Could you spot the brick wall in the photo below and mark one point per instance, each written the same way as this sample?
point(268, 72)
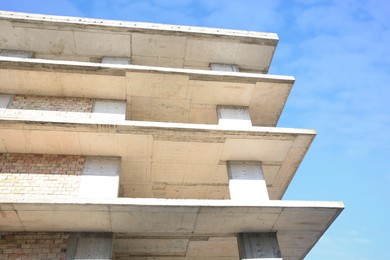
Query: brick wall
point(33, 245)
point(40, 174)
point(49, 106)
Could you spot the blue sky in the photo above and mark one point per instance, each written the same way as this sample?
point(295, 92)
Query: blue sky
point(339, 52)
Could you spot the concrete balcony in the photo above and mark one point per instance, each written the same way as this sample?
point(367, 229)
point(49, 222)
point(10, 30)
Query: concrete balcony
point(177, 229)
point(83, 39)
point(166, 160)
point(151, 93)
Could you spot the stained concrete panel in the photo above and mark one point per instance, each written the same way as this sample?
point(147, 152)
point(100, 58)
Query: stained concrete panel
point(163, 221)
point(235, 220)
point(35, 220)
point(151, 246)
point(157, 85)
point(221, 93)
point(267, 102)
point(314, 220)
point(159, 109)
point(9, 221)
point(85, 85)
point(158, 45)
point(57, 42)
point(210, 51)
point(254, 57)
point(213, 247)
point(257, 150)
point(102, 44)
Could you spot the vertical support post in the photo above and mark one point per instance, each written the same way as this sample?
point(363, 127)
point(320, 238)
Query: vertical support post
point(246, 181)
point(4, 102)
point(233, 116)
point(90, 246)
point(109, 110)
point(258, 246)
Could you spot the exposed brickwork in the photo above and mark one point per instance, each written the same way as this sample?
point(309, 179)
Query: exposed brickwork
point(33, 245)
point(52, 103)
point(40, 174)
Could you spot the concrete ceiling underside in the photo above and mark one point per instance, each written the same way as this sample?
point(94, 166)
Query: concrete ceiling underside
point(164, 225)
point(177, 155)
point(151, 93)
point(82, 39)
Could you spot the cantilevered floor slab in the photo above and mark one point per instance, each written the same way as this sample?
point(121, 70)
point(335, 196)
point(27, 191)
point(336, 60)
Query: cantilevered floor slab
point(172, 224)
point(152, 93)
point(73, 38)
point(165, 159)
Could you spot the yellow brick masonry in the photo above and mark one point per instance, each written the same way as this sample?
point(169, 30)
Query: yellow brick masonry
point(51, 106)
point(33, 245)
point(40, 174)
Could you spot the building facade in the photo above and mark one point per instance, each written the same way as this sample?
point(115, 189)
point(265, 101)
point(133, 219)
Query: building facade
point(123, 140)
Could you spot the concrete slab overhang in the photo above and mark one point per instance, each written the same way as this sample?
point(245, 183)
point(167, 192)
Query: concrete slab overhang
point(152, 93)
point(170, 153)
point(298, 224)
point(75, 38)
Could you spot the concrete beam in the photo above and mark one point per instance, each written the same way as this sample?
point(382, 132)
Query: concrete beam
point(258, 246)
point(90, 246)
point(234, 116)
point(246, 181)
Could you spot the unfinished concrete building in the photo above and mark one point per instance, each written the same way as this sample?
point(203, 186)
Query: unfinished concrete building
point(124, 140)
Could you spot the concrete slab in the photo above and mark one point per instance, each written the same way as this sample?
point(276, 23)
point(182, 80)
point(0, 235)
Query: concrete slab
point(174, 154)
point(77, 38)
point(178, 222)
point(152, 94)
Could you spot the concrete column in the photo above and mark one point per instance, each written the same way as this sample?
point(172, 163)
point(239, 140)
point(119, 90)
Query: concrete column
point(4, 102)
point(109, 110)
point(89, 246)
point(116, 60)
point(258, 246)
point(246, 181)
point(100, 178)
point(17, 54)
point(233, 116)
point(224, 67)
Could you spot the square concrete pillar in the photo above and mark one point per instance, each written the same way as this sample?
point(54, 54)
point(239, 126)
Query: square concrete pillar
point(234, 116)
point(116, 60)
point(4, 102)
point(17, 54)
point(224, 67)
point(246, 181)
point(109, 110)
point(258, 246)
point(90, 246)
point(100, 178)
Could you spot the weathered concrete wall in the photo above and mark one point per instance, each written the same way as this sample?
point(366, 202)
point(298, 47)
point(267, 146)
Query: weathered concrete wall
point(33, 245)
